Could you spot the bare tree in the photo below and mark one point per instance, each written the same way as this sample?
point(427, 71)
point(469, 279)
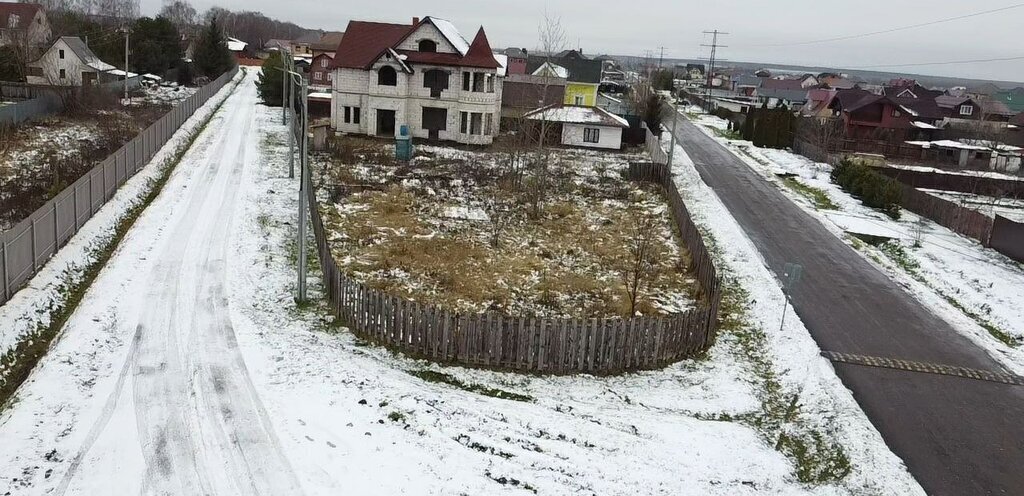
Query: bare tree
point(552, 40)
point(638, 265)
point(182, 14)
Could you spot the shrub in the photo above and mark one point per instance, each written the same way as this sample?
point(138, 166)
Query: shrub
point(873, 189)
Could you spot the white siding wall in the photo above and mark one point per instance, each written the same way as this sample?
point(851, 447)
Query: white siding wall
point(429, 32)
point(610, 137)
point(51, 64)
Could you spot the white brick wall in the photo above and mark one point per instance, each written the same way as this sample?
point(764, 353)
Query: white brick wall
point(610, 137)
point(358, 88)
point(429, 32)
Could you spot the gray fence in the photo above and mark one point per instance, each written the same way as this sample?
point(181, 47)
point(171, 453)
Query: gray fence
point(45, 100)
point(28, 245)
point(1008, 237)
point(527, 343)
point(653, 145)
point(18, 112)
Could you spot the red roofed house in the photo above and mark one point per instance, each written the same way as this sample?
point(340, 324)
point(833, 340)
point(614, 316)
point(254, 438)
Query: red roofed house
point(23, 23)
point(424, 75)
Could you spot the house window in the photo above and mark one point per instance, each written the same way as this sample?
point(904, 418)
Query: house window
point(387, 76)
point(464, 122)
point(428, 46)
point(61, 54)
point(466, 76)
point(578, 100)
point(323, 62)
point(966, 110)
point(490, 83)
point(351, 115)
point(436, 80)
point(476, 123)
point(330, 76)
point(478, 82)
point(591, 135)
point(12, 21)
point(487, 124)
point(62, 74)
point(896, 112)
point(318, 76)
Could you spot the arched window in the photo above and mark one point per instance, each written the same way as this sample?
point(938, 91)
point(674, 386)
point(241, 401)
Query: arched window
point(387, 76)
point(428, 46)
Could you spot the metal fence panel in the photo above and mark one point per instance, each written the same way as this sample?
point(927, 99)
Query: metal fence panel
point(19, 253)
point(44, 241)
point(64, 212)
point(32, 241)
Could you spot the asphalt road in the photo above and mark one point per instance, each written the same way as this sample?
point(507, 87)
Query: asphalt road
point(958, 436)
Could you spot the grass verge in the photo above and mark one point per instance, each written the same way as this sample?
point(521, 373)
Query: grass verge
point(897, 254)
point(19, 361)
point(818, 459)
point(817, 196)
point(442, 378)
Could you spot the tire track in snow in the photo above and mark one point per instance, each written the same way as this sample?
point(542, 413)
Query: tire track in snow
point(201, 426)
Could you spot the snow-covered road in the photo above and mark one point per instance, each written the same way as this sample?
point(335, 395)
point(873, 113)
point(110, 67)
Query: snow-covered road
point(179, 414)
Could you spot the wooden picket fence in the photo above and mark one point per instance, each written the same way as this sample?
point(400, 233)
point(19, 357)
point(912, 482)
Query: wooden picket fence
point(529, 343)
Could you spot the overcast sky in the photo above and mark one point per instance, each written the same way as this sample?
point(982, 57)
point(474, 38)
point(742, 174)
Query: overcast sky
point(632, 28)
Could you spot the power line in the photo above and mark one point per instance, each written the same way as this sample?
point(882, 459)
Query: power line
point(897, 29)
point(952, 62)
point(711, 65)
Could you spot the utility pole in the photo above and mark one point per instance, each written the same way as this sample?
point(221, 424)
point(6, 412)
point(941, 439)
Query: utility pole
point(126, 65)
point(672, 142)
point(303, 178)
point(284, 86)
point(712, 58)
point(661, 58)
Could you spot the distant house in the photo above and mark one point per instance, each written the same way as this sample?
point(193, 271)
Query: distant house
point(522, 93)
point(819, 103)
point(68, 62)
point(276, 45)
point(422, 75)
point(327, 44)
point(238, 48)
point(23, 23)
point(320, 75)
point(694, 71)
point(869, 116)
point(587, 127)
point(583, 75)
point(516, 60)
point(961, 107)
point(303, 45)
point(835, 81)
point(1013, 99)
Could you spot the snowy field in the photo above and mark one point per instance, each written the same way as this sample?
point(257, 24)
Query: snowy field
point(976, 289)
point(191, 339)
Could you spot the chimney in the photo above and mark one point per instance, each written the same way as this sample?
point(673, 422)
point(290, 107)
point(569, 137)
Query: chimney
point(415, 21)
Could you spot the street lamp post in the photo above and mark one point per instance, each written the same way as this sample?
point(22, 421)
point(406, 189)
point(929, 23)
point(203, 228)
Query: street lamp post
point(300, 125)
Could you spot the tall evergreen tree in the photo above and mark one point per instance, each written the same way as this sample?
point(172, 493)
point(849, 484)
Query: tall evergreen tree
point(156, 45)
point(270, 80)
point(212, 57)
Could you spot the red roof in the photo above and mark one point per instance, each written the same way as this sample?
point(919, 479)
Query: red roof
point(480, 53)
point(26, 11)
point(365, 42)
point(782, 84)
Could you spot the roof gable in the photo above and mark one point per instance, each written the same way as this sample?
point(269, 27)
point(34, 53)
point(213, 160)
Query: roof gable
point(25, 12)
point(364, 43)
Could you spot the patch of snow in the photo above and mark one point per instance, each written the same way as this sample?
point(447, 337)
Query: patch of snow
point(463, 212)
point(452, 34)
